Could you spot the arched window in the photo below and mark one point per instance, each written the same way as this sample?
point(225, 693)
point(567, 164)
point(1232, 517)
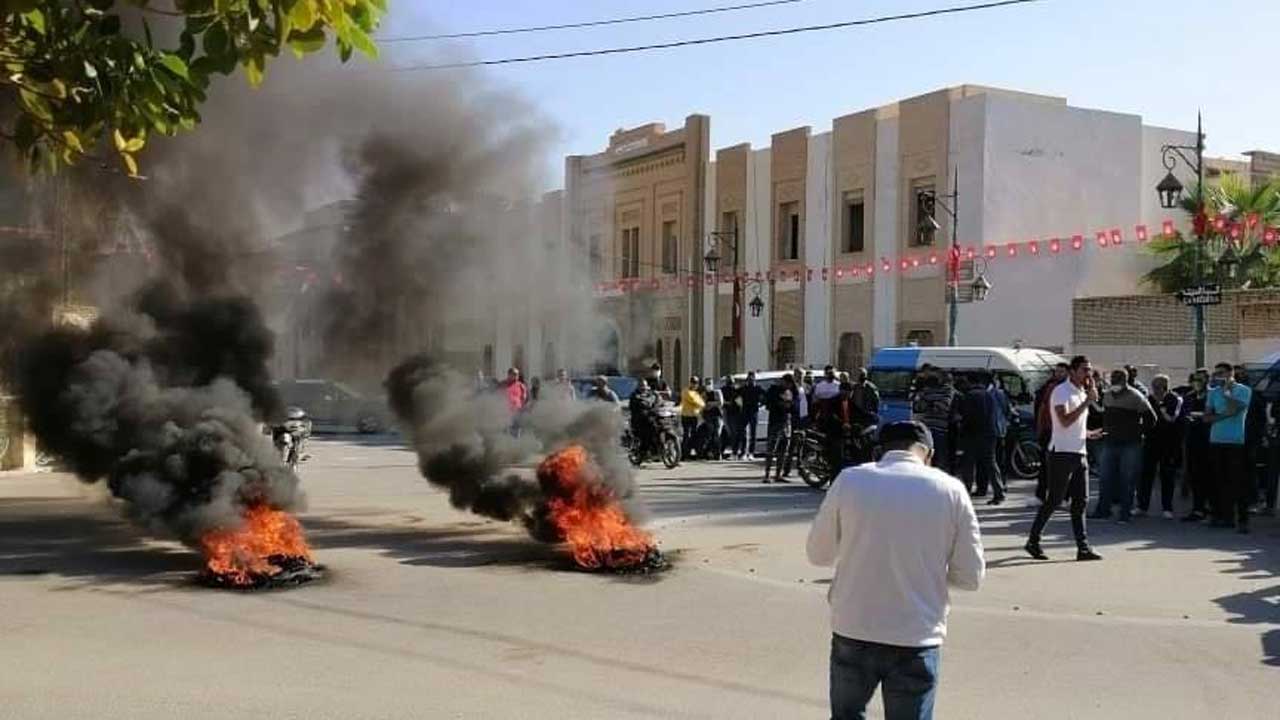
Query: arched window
point(849, 352)
point(728, 356)
point(517, 359)
point(549, 359)
point(677, 364)
point(786, 352)
point(923, 338)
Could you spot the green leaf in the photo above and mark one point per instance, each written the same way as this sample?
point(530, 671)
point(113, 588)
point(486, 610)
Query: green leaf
point(90, 71)
point(175, 65)
point(303, 14)
point(306, 42)
point(35, 18)
point(363, 42)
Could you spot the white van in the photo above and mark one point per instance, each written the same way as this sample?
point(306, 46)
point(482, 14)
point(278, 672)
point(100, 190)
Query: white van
point(1021, 370)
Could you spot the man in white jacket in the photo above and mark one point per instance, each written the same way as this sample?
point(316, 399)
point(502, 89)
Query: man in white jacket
point(898, 532)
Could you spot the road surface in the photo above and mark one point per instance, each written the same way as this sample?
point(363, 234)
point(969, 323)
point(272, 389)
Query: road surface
point(431, 613)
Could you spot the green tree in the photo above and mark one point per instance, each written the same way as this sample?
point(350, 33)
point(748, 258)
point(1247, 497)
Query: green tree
point(1232, 206)
point(76, 72)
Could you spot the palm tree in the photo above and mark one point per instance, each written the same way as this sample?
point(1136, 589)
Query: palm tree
point(1231, 206)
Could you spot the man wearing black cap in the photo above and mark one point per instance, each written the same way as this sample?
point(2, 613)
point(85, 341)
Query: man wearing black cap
point(898, 532)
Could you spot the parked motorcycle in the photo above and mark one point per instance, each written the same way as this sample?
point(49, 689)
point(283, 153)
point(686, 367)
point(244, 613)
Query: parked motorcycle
point(664, 445)
point(290, 436)
point(1022, 452)
point(813, 462)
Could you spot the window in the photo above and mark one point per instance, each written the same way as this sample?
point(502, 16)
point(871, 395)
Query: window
point(670, 247)
point(595, 257)
point(630, 252)
point(728, 356)
point(517, 359)
point(849, 352)
point(855, 229)
point(729, 236)
point(789, 231)
point(786, 354)
point(922, 338)
point(677, 362)
point(920, 208)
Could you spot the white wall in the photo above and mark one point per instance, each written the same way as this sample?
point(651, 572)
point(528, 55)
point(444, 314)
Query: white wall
point(885, 234)
point(1052, 170)
point(757, 223)
point(710, 349)
point(819, 184)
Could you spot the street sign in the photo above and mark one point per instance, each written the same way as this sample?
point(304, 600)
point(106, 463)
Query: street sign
point(1201, 295)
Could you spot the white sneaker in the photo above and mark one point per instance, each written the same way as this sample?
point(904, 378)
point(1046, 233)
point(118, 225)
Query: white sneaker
point(1167, 515)
point(751, 458)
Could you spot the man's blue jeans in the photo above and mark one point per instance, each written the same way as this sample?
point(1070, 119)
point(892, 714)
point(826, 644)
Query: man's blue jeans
point(907, 677)
point(1121, 466)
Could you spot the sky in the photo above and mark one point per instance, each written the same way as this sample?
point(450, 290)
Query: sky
point(1161, 59)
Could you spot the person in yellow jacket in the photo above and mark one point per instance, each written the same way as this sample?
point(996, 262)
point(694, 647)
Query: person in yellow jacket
point(691, 404)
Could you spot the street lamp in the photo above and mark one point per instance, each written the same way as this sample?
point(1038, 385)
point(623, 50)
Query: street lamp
point(712, 259)
point(1229, 262)
point(1170, 192)
point(980, 287)
point(712, 262)
point(927, 202)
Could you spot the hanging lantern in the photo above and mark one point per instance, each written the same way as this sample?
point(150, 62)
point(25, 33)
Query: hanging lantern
point(756, 305)
point(1170, 191)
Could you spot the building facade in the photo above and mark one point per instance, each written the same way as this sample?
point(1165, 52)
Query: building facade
point(824, 228)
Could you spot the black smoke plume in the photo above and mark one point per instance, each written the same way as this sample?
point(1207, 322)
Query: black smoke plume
point(463, 439)
point(164, 406)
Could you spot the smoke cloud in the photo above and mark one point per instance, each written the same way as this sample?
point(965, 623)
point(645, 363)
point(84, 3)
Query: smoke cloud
point(463, 439)
point(163, 404)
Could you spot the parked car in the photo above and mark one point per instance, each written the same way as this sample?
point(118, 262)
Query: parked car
point(335, 407)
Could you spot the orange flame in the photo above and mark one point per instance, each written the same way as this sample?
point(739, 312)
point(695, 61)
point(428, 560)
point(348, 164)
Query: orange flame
point(243, 555)
point(588, 516)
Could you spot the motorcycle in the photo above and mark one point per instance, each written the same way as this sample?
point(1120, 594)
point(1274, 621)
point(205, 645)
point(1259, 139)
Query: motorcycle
point(665, 443)
point(814, 464)
point(1023, 455)
point(290, 435)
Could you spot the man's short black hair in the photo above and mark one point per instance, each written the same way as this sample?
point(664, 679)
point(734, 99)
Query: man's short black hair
point(1223, 366)
point(1064, 366)
point(905, 434)
point(1077, 362)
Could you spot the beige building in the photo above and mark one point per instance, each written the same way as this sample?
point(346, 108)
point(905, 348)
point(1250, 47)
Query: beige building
point(636, 212)
point(824, 228)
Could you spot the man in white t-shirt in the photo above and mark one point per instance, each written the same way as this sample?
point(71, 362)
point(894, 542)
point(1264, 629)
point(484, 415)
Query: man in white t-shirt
point(1068, 459)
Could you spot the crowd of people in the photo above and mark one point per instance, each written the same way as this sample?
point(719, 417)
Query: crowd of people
point(1215, 434)
point(1213, 441)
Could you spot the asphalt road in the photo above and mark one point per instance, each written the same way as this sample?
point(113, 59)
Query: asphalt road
point(430, 613)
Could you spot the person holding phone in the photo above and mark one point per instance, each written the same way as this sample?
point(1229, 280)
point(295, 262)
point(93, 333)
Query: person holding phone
point(1068, 459)
point(1226, 411)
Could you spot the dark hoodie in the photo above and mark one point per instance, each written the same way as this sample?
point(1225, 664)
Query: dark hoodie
point(1127, 414)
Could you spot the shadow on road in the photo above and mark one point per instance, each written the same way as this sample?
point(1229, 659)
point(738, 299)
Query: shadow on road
point(82, 540)
point(462, 545)
point(720, 496)
point(1251, 557)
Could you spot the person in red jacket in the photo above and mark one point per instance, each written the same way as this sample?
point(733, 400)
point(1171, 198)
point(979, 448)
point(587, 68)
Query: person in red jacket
point(517, 395)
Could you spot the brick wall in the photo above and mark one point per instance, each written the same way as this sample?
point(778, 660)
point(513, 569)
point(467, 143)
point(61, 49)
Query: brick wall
point(1163, 320)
